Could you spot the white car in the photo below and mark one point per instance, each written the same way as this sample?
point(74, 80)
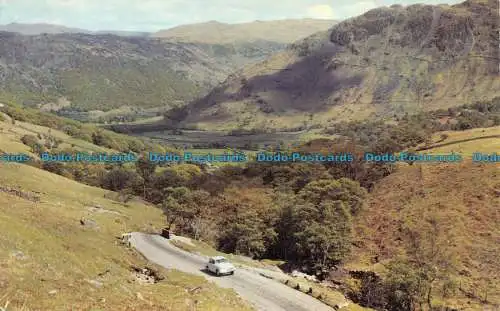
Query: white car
point(219, 265)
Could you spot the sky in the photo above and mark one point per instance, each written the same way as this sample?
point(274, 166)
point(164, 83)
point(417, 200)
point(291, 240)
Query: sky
point(153, 15)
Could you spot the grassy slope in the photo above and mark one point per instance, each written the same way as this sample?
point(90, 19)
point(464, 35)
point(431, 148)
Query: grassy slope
point(11, 134)
point(466, 198)
point(62, 255)
point(468, 142)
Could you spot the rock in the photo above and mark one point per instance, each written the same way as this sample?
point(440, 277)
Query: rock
point(308, 277)
point(19, 255)
point(53, 292)
point(95, 283)
point(341, 305)
point(139, 296)
point(89, 223)
point(125, 239)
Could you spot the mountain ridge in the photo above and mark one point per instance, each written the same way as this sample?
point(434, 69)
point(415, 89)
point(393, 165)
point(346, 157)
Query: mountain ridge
point(282, 31)
point(105, 71)
point(390, 60)
point(305, 26)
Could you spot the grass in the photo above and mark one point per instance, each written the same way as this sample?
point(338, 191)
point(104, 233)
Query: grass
point(467, 142)
point(465, 198)
point(23, 128)
point(49, 261)
point(322, 293)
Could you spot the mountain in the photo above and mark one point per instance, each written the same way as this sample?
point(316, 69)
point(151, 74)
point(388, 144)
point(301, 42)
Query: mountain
point(213, 32)
point(390, 60)
point(282, 31)
point(37, 29)
point(123, 33)
point(108, 71)
point(104, 71)
point(78, 71)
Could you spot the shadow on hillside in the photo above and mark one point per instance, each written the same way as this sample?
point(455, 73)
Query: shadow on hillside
point(301, 86)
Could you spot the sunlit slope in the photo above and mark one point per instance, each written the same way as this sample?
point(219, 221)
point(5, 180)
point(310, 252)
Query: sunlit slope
point(484, 140)
point(465, 200)
point(284, 31)
point(49, 260)
point(11, 134)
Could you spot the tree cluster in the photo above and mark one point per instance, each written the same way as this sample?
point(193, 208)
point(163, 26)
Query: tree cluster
point(411, 130)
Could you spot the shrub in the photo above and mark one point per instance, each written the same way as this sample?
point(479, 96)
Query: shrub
point(29, 140)
point(54, 167)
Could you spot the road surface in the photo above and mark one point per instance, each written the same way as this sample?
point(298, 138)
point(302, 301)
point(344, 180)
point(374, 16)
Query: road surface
point(263, 293)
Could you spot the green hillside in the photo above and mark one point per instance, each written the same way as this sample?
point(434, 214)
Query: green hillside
point(59, 248)
point(84, 72)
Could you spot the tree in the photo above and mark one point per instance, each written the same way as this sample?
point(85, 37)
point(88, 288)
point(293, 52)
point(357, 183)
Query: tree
point(146, 170)
point(401, 286)
point(168, 178)
point(249, 234)
point(198, 201)
point(324, 233)
point(186, 209)
point(284, 246)
point(343, 189)
point(32, 142)
point(321, 221)
point(53, 167)
point(248, 222)
point(174, 206)
point(118, 179)
point(98, 138)
point(430, 260)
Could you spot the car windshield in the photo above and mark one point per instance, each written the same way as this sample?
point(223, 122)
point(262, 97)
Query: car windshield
point(221, 260)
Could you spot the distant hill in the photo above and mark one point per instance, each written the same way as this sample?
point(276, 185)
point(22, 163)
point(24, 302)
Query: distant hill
point(107, 71)
point(213, 32)
point(36, 29)
point(41, 28)
point(44, 65)
point(123, 33)
point(282, 31)
point(104, 71)
point(390, 60)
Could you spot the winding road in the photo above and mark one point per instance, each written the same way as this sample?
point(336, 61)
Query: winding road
point(263, 293)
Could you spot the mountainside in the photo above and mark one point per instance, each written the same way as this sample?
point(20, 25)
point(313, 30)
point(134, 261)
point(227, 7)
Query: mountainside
point(390, 60)
point(103, 72)
point(79, 71)
point(282, 31)
point(453, 205)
